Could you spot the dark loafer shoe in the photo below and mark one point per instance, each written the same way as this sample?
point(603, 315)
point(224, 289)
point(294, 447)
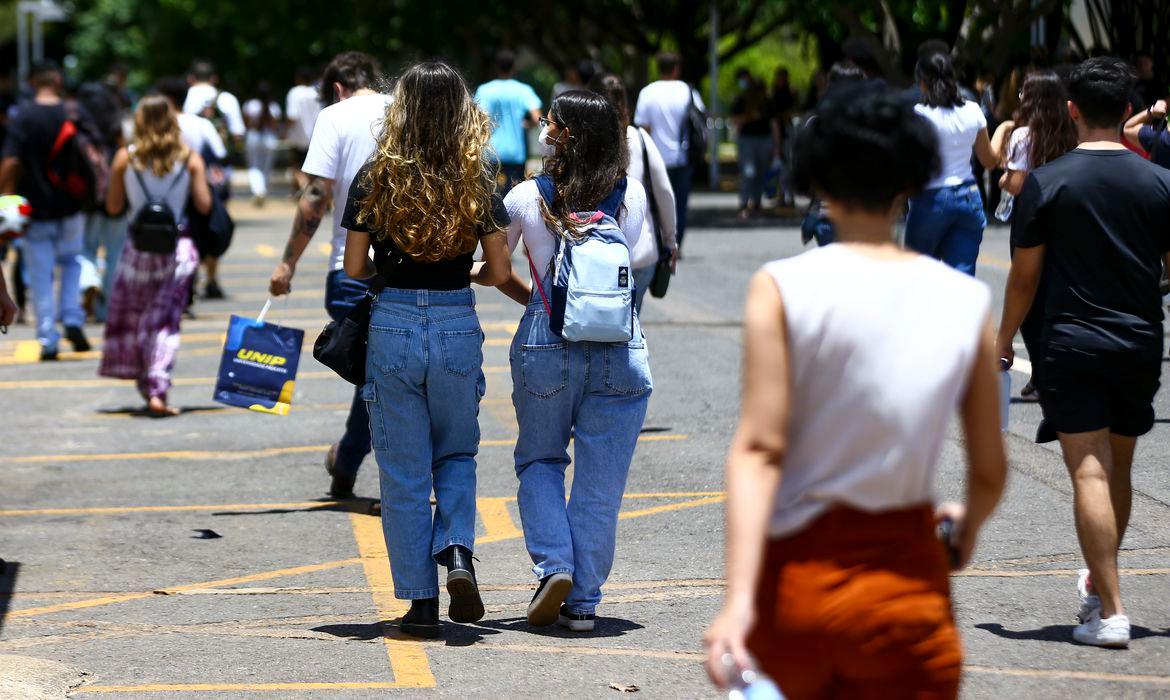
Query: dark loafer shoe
point(422, 620)
point(466, 605)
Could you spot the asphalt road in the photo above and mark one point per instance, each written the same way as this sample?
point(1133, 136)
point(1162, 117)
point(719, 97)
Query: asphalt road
point(99, 509)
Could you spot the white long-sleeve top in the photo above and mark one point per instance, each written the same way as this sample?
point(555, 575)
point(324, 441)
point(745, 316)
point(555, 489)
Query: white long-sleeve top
point(657, 184)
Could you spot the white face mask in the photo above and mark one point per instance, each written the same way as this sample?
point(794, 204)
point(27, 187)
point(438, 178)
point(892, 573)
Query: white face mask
point(547, 148)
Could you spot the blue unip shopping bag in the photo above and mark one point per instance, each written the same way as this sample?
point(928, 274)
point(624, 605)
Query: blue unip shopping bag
point(258, 369)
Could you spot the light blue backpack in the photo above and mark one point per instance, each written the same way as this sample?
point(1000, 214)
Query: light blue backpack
point(592, 279)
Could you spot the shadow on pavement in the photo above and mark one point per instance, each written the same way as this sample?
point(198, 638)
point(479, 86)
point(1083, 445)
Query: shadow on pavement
point(8, 572)
point(141, 412)
point(1059, 633)
point(351, 505)
point(455, 635)
point(606, 627)
point(704, 217)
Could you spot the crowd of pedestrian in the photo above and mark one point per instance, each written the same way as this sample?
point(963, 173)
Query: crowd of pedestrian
point(858, 354)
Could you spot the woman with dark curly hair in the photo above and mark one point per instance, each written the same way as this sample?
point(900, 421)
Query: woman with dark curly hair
point(424, 201)
point(856, 358)
point(595, 393)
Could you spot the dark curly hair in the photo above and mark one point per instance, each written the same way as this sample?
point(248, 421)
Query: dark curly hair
point(1100, 88)
point(865, 150)
point(589, 163)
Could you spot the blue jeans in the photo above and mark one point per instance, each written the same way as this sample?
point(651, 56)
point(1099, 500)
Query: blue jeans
point(947, 224)
point(108, 234)
point(424, 381)
point(643, 276)
point(342, 293)
point(596, 394)
point(51, 244)
point(755, 157)
point(680, 181)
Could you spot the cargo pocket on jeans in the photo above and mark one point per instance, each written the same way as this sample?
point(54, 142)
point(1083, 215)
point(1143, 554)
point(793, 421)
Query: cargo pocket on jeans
point(544, 369)
point(388, 348)
point(627, 368)
point(462, 351)
point(377, 434)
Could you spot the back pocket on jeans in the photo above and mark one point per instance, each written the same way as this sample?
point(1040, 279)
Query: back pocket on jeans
point(544, 369)
point(627, 368)
point(462, 351)
point(388, 348)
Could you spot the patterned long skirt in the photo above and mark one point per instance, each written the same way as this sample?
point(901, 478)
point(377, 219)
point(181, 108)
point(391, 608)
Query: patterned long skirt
point(150, 293)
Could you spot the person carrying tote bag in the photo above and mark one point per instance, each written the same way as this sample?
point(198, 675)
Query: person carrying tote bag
point(655, 255)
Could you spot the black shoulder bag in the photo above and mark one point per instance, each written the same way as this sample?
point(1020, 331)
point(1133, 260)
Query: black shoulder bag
point(342, 345)
point(661, 280)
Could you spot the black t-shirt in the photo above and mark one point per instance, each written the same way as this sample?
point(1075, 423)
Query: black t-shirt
point(30, 138)
point(446, 275)
point(1105, 219)
point(758, 116)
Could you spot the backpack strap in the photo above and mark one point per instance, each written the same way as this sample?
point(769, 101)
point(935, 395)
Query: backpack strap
point(544, 183)
point(613, 202)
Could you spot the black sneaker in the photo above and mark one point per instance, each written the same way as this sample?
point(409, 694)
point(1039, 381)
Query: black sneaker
point(342, 484)
point(422, 620)
point(577, 622)
point(466, 605)
point(213, 291)
point(77, 339)
point(546, 603)
point(48, 355)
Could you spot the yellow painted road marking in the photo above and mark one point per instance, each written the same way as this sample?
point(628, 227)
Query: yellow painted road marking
point(1067, 675)
point(111, 510)
point(497, 520)
point(265, 251)
point(231, 687)
point(237, 454)
point(77, 384)
point(107, 600)
point(671, 506)
point(324, 249)
point(408, 660)
point(297, 408)
point(991, 261)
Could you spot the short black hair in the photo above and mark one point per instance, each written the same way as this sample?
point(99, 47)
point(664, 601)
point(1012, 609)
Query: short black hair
point(845, 72)
point(862, 52)
point(668, 61)
point(305, 75)
point(203, 70)
point(174, 88)
point(45, 73)
point(1100, 88)
point(586, 70)
point(865, 149)
point(931, 47)
point(354, 70)
point(505, 61)
point(940, 87)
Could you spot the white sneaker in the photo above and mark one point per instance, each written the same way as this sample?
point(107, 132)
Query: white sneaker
point(1089, 601)
point(1111, 632)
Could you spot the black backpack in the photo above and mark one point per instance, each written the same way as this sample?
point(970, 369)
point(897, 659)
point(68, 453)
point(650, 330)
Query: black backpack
point(153, 228)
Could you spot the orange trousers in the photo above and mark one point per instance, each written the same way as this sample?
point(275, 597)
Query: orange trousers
point(857, 605)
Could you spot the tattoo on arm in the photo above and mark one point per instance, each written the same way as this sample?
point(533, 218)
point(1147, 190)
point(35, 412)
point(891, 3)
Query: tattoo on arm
point(315, 199)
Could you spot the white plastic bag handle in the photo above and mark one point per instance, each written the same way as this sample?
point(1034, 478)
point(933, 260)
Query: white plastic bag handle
point(264, 311)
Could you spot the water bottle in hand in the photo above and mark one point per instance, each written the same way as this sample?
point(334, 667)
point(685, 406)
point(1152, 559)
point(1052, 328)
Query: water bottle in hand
point(1004, 211)
point(749, 684)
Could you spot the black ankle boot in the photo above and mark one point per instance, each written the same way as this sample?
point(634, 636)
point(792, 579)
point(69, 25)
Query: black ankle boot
point(466, 605)
point(422, 620)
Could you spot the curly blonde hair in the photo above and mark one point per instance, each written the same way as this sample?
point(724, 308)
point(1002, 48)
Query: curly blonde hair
point(158, 142)
point(429, 183)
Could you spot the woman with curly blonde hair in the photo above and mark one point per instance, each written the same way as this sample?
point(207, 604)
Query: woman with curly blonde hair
point(151, 289)
point(423, 202)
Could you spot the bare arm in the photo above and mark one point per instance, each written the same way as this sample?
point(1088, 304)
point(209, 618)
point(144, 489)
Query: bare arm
point(1133, 127)
point(357, 256)
point(1013, 181)
point(9, 174)
point(8, 309)
point(116, 192)
point(311, 207)
point(1024, 278)
point(983, 151)
point(754, 468)
point(983, 438)
point(1000, 140)
point(200, 191)
point(496, 267)
point(516, 289)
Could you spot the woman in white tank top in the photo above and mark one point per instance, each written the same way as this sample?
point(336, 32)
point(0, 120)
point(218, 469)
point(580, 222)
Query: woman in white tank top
point(857, 357)
point(152, 289)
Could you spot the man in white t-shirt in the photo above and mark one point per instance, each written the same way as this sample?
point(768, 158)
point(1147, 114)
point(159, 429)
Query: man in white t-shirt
point(198, 133)
point(301, 107)
point(663, 110)
point(343, 139)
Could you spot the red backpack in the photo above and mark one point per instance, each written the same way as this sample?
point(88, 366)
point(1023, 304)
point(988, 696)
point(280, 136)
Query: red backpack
point(77, 167)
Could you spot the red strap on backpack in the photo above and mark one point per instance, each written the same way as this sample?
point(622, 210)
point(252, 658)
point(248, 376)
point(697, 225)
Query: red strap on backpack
point(66, 133)
point(536, 279)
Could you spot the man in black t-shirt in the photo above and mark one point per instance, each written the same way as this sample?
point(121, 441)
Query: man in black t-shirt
point(56, 234)
point(1095, 220)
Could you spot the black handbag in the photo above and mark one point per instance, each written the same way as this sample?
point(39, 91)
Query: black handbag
point(212, 232)
point(662, 272)
point(342, 345)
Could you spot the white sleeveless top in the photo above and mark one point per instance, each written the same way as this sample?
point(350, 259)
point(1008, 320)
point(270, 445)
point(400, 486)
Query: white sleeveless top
point(176, 197)
point(880, 355)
